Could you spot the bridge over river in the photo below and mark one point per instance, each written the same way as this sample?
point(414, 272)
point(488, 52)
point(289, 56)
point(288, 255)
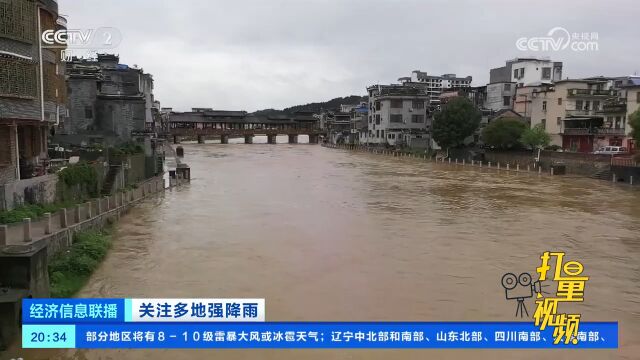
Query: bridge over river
point(225, 124)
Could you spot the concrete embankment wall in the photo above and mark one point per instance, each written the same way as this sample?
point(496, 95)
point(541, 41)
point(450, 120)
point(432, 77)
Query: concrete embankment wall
point(119, 204)
point(627, 174)
point(38, 190)
point(48, 189)
point(575, 163)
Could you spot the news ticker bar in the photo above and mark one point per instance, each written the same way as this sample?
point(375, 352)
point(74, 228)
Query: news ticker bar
point(314, 335)
point(77, 311)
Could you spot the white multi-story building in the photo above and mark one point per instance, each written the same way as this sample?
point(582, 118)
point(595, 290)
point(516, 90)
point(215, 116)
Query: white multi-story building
point(585, 114)
point(434, 85)
point(527, 71)
point(398, 116)
point(571, 111)
point(500, 96)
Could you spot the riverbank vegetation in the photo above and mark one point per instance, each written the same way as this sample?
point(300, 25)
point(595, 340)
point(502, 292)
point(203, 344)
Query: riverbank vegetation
point(458, 120)
point(32, 211)
point(504, 133)
point(77, 184)
point(81, 175)
point(70, 270)
point(126, 149)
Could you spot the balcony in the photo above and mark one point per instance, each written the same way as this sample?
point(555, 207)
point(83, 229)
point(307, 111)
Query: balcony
point(593, 131)
point(589, 93)
point(581, 112)
point(613, 109)
point(576, 131)
point(610, 131)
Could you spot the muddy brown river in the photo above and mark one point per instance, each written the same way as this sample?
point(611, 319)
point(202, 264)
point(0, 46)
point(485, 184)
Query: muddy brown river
point(326, 234)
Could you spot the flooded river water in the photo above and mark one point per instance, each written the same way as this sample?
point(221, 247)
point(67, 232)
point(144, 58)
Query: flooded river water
point(326, 234)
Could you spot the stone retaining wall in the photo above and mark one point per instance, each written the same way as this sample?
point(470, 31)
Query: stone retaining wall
point(511, 161)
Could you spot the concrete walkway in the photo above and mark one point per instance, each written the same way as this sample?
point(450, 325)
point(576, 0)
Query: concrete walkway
point(17, 234)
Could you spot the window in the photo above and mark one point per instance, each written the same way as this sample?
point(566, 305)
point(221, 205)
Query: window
point(578, 104)
point(417, 104)
point(370, 119)
point(638, 96)
point(382, 134)
point(395, 118)
point(506, 100)
point(544, 106)
point(18, 20)
point(378, 105)
point(515, 74)
point(559, 101)
point(17, 78)
point(88, 112)
point(586, 105)
point(596, 105)
point(5, 141)
point(507, 87)
point(521, 73)
point(377, 119)
point(546, 73)
point(377, 133)
point(396, 103)
point(543, 122)
point(417, 119)
point(559, 121)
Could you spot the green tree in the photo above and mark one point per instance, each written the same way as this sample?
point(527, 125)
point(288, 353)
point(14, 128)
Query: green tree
point(535, 138)
point(457, 120)
point(634, 121)
point(504, 133)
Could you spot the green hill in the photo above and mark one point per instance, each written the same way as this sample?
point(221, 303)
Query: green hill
point(333, 104)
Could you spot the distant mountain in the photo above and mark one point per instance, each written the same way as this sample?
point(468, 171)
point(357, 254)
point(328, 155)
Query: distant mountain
point(333, 104)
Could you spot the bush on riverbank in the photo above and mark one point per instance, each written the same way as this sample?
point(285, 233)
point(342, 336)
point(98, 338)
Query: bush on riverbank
point(32, 211)
point(69, 271)
point(81, 176)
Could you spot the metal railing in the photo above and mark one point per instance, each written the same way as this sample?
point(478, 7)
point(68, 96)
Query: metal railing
point(590, 92)
point(613, 109)
point(593, 131)
point(580, 112)
point(609, 131)
point(576, 131)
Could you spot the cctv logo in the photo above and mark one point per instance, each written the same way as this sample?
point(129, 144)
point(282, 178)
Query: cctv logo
point(66, 37)
point(96, 39)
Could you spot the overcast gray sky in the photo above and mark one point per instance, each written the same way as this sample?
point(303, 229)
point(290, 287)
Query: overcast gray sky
point(256, 54)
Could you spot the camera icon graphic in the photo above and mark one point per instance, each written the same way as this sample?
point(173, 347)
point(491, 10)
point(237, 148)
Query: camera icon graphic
point(519, 288)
